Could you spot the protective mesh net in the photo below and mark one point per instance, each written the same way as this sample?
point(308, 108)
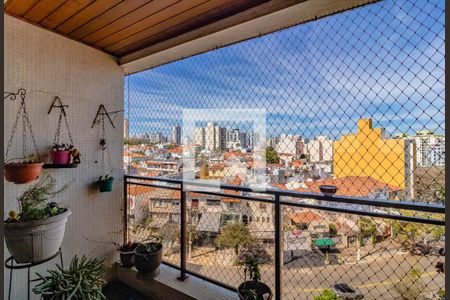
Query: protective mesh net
point(354, 100)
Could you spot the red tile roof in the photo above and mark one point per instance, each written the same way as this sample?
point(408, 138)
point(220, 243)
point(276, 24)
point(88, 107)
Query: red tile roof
point(304, 217)
point(137, 190)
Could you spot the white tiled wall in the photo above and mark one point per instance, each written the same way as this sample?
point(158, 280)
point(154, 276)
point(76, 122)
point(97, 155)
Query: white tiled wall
point(46, 65)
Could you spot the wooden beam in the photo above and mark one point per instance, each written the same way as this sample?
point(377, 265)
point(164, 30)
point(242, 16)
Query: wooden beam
point(262, 19)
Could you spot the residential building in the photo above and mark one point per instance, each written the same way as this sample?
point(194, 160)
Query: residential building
point(423, 139)
point(215, 137)
point(320, 149)
point(176, 135)
point(435, 153)
point(155, 137)
point(220, 135)
point(200, 136)
point(368, 154)
point(272, 142)
point(290, 145)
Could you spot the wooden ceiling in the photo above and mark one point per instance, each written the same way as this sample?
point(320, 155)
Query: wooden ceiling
point(122, 27)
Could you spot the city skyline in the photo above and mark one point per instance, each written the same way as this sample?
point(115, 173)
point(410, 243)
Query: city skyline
point(300, 104)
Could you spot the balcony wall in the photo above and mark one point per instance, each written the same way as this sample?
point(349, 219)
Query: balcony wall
point(47, 65)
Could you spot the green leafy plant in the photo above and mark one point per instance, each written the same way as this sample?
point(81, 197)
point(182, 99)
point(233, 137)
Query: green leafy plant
point(234, 235)
point(34, 202)
point(62, 147)
point(250, 260)
point(272, 156)
point(83, 280)
point(30, 159)
point(150, 248)
point(105, 177)
point(332, 229)
point(327, 294)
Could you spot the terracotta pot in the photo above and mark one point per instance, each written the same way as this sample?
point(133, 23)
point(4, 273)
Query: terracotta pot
point(22, 173)
point(60, 157)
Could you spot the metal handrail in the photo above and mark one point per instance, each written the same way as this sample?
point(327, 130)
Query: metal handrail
point(274, 197)
point(407, 205)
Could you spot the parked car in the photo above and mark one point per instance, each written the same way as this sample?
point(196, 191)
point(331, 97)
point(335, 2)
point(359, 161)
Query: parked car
point(345, 292)
point(420, 249)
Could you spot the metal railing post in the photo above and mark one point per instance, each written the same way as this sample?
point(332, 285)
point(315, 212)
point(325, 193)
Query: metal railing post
point(183, 236)
point(278, 249)
point(125, 210)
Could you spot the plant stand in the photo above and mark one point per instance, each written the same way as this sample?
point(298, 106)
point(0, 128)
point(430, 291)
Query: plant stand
point(12, 265)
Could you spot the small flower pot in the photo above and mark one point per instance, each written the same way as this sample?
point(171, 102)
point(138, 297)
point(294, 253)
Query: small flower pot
point(256, 288)
point(22, 172)
point(127, 255)
point(147, 262)
point(60, 157)
point(105, 185)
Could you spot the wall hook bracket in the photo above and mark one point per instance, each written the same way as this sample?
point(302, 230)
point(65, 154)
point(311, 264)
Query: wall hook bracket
point(102, 113)
point(58, 104)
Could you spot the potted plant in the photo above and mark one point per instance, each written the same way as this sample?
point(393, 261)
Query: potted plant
point(105, 183)
point(37, 230)
point(250, 260)
point(148, 258)
point(127, 254)
point(23, 170)
point(61, 154)
point(84, 279)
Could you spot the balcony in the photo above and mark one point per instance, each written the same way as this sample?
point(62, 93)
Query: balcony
point(372, 261)
point(308, 132)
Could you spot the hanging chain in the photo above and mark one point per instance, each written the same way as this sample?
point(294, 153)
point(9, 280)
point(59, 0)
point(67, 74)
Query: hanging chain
point(24, 133)
point(58, 130)
point(68, 130)
point(103, 144)
point(25, 116)
point(25, 123)
point(13, 131)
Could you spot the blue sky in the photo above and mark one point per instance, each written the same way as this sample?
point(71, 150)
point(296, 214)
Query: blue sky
point(384, 61)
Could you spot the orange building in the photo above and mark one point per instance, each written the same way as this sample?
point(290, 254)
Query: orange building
point(367, 153)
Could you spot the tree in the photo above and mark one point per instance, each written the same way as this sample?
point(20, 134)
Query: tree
point(327, 294)
point(410, 232)
point(333, 229)
point(234, 235)
point(272, 156)
point(169, 233)
point(204, 172)
point(367, 227)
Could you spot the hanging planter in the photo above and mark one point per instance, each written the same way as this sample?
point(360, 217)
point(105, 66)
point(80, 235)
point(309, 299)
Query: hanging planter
point(28, 168)
point(23, 172)
point(62, 153)
point(105, 183)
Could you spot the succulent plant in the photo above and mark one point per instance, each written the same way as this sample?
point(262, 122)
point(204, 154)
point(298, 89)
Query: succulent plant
point(34, 203)
point(82, 280)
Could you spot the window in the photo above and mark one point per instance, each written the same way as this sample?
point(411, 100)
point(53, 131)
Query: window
point(213, 202)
